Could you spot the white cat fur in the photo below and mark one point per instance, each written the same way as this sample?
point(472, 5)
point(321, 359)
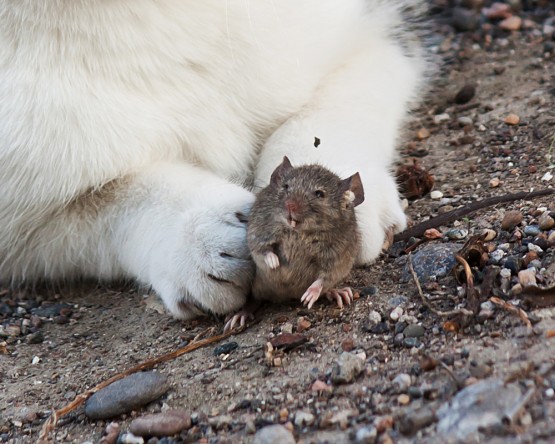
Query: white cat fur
point(129, 127)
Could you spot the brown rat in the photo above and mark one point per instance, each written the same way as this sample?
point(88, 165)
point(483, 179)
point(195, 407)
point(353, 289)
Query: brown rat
point(303, 235)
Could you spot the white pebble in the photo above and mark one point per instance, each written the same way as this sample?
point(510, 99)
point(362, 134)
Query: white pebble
point(129, 438)
point(35, 360)
point(534, 248)
point(550, 393)
point(396, 314)
point(436, 194)
point(547, 177)
point(374, 317)
point(439, 118)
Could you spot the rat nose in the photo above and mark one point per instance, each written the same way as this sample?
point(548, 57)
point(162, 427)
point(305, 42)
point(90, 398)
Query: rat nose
point(291, 206)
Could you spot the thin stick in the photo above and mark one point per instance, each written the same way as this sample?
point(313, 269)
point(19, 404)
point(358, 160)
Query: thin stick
point(511, 308)
point(419, 229)
point(514, 412)
point(50, 423)
point(467, 271)
point(458, 311)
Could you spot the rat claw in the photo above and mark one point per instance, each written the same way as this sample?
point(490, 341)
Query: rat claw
point(238, 319)
point(341, 296)
point(271, 260)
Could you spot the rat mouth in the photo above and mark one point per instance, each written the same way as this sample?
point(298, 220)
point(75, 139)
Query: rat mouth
point(292, 221)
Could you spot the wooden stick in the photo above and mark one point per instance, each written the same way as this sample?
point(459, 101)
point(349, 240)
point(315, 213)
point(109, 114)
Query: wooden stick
point(419, 229)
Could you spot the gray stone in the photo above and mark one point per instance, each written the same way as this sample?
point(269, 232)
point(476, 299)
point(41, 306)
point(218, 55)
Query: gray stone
point(273, 434)
point(480, 405)
point(167, 423)
point(402, 381)
point(347, 368)
point(414, 331)
point(532, 230)
point(303, 418)
point(432, 261)
point(126, 394)
point(366, 435)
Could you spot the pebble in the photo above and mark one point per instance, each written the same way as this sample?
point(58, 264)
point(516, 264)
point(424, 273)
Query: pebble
point(129, 438)
point(347, 367)
point(35, 338)
point(396, 314)
point(303, 419)
point(226, 348)
point(512, 23)
point(273, 434)
point(535, 248)
point(527, 277)
point(465, 121)
point(464, 20)
point(320, 386)
point(480, 405)
point(511, 220)
point(496, 256)
point(402, 381)
point(532, 230)
point(512, 119)
point(374, 318)
point(465, 95)
point(546, 222)
point(495, 182)
point(436, 194)
point(288, 341)
point(414, 331)
point(403, 399)
point(167, 423)
point(432, 261)
point(368, 291)
point(497, 10)
point(547, 177)
point(112, 433)
point(366, 435)
point(126, 394)
point(550, 393)
point(456, 233)
point(551, 239)
point(423, 133)
point(411, 342)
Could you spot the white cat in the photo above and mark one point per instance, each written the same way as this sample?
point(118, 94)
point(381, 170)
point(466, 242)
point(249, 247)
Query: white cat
point(130, 129)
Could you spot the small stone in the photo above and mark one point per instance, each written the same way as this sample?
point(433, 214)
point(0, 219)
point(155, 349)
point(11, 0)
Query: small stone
point(368, 291)
point(273, 434)
point(414, 331)
point(347, 368)
point(221, 422)
point(550, 393)
point(26, 414)
point(456, 233)
point(512, 119)
point(495, 182)
point(379, 329)
point(303, 324)
point(129, 438)
point(226, 348)
point(527, 277)
point(440, 118)
point(168, 423)
point(126, 394)
point(396, 314)
point(423, 133)
point(546, 222)
point(374, 318)
point(496, 256)
point(535, 248)
point(111, 433)
point(547, 177)
point(35, 338)
point(411, 342)
point(402, 381)
point(480, 371)
point(35, 360)
point(465, 95)
point(436, 194)
point(511, 220)
point(489, 234)
point(288, 341)
point(366, 435)
point(303, 419)
point(464, 20)
point(498, 10)
point(465, 121)
point(320, 386)
point(551, 239)
point(532, 230)
point(403, 399)
point(287, 328)
point(512, 23)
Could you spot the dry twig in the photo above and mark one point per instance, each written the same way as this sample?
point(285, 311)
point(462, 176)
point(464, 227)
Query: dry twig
point(456, 312)
point(516, 310)
point(196, 343)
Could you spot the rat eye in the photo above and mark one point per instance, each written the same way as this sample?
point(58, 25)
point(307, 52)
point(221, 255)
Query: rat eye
point(319, 194)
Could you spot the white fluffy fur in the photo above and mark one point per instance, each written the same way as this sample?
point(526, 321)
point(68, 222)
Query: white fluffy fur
point(128, 126)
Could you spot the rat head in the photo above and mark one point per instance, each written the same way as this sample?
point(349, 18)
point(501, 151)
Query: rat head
point(312, 197)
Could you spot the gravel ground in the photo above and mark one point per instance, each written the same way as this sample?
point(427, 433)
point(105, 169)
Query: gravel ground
point(393, 367)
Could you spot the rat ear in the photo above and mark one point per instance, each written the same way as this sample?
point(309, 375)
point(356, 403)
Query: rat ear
point(353, 187)
point(279, 172)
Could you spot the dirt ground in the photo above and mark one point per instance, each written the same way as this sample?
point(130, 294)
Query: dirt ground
point(93, 332)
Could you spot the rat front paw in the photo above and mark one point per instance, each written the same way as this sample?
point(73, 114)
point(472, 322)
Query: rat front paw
point(271, 260)
point(312, 294)
point(341, 296)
